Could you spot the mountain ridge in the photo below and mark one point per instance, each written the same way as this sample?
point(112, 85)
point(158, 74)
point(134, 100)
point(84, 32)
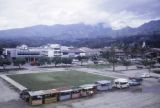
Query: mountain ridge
point(78, 31)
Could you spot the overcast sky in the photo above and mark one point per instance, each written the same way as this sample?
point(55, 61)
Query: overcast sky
point(114, 13)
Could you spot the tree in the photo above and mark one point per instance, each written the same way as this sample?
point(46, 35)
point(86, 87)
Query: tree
point(148, 62)
point(126, 63)
point(126, 50)
point(56, 60)
point(106, 55)
point(67, 60)
point(113, 61)
point(44, 60)
point(4, 62)
point(110, 56)
point(19, 62)
point(82, 59)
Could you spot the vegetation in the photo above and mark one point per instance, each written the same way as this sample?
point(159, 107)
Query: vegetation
point(56, 60)
point(148, 63)
point(156, 71)
point(82, 59)
point(44, 60)
point(126, 63)
point(110, 56)
point(50, 80)
point(66, 60)
point(19, 62)
point(4, 62)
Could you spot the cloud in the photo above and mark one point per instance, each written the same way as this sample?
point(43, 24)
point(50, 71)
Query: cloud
point(118, 14)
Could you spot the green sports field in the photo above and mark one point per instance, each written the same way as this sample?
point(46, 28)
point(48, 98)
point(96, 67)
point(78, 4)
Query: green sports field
point(50, 80)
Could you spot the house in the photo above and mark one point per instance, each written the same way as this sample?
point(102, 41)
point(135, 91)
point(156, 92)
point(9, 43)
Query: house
point(118, 52)
point(89, 51)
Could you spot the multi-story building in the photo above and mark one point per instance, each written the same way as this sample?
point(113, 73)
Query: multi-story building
point(49, 50)
point(31, 53)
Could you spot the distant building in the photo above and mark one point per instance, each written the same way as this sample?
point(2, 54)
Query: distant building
point(118, 52)
point(89, 51)
point(31, 53)
point(51, 50)
point(73, 52)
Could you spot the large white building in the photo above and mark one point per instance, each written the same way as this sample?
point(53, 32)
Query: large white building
point(49, 50)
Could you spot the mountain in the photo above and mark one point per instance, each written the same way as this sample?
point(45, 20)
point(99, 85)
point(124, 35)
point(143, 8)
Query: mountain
point(80, 34)
point(57, 32)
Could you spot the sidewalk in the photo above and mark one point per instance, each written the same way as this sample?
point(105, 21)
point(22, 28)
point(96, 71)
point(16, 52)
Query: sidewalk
point(14, 83)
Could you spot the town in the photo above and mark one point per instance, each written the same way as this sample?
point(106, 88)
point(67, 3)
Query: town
point(79, 54)
point(102, 69)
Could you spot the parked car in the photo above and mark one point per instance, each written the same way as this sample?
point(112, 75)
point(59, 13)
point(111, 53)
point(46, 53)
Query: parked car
point(133, 81)
point(140, 67)
point(121, 83)
point(137, 78)
point(145, 75)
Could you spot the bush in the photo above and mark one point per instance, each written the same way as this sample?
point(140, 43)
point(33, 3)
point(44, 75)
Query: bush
point(156, 71)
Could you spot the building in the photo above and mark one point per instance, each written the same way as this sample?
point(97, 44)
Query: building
point(89, 51)
point(31, 53)
point(73, 52)
point(118, 52)
point(51, 50)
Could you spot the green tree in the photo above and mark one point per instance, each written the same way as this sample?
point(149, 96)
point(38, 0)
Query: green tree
point(113, 61)
point(110, 56)
point(148, 63)
point(4, 62)
point(56, 60)
point(44, 60)
point(126, 50)
point(19, 62)
point(67, 60)
point(126, 63)
point(82, 59)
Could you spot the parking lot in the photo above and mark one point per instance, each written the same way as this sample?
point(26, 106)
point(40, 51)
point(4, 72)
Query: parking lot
point(145, 96)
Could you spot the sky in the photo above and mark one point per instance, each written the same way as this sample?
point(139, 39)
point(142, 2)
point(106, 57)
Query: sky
point(113, 13)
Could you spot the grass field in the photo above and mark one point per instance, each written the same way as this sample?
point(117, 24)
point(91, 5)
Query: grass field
point(49, 80)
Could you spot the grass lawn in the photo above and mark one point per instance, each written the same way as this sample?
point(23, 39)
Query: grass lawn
point(49, 80)
point(98, 66)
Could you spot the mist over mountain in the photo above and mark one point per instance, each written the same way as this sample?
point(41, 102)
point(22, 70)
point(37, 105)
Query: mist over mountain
point(42, 34)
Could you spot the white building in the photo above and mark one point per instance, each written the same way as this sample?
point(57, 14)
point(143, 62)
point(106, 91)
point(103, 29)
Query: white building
point(74, 52)
point(89, 51)
point(50, 50)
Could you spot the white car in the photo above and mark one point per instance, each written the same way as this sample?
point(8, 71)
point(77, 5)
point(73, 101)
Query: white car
point(145, 75)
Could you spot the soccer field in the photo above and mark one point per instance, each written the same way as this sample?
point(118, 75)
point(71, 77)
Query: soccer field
point(50, 80)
